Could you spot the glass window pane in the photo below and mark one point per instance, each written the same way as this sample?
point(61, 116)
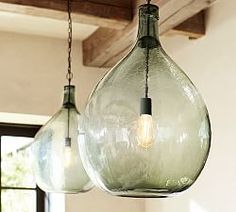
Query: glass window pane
point(16, 163)
point(18, 200)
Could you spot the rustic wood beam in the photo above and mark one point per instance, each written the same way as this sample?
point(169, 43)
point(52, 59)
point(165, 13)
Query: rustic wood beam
point(105, 47)
point(193, 28)
point(99, 13)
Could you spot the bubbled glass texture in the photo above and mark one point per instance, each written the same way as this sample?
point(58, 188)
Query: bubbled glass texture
point(110, 151)
point(58, 168)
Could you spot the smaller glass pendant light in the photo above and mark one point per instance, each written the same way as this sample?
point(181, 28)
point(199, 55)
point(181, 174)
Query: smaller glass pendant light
point(56, 159)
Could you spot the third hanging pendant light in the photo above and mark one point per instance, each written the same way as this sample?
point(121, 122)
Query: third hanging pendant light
point(147, 129)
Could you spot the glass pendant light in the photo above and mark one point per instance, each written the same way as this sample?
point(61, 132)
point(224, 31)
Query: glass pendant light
point(146, 127)
point(56, 159)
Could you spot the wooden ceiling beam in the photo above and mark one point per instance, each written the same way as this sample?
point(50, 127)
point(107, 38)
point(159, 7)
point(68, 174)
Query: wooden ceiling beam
point(117, 21)
point(92, 12)
point(105, 47)
point(194, 27)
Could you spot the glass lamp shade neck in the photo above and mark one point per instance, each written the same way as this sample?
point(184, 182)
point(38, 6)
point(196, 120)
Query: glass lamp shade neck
point(69, 103)
point(148, 33)
point(69, 96)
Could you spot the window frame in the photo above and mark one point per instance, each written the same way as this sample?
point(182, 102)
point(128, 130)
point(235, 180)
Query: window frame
point(22, 130)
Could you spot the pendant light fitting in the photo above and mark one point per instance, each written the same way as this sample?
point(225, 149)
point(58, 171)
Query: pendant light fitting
point(56, 158)
point(165, 144)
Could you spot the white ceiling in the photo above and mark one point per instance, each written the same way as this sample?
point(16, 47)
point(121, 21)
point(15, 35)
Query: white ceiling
point(25, 24)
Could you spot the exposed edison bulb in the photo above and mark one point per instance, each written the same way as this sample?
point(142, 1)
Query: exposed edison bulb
point(68, 153)
point(145, 133)
point(68, 156)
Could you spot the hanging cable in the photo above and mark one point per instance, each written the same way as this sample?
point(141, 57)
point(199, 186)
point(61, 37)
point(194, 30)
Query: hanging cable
point(147, 73)
point(69, 74)
point(147, 55)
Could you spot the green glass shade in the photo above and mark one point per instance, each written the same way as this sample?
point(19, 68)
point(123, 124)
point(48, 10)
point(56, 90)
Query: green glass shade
point(157, 153)
point(56, 159)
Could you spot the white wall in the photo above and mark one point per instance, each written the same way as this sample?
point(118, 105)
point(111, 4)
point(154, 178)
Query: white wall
point(98, 201)
point(211, 64)
point(33, 72)
point(32, 76)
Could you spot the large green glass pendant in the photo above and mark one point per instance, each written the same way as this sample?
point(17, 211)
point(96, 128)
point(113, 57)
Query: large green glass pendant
point(155, 148)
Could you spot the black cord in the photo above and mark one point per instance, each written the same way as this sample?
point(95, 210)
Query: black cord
point(148, 1)
point(69, 74)
point(147, 73)
point(147, 57)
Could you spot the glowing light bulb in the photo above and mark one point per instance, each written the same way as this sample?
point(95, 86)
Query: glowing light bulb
point(145, 132)
point(68, 152)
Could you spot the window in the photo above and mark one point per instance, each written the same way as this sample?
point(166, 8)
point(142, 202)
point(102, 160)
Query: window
point(19, 191)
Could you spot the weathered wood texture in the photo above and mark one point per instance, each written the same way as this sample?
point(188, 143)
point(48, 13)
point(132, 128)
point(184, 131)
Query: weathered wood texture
point(105, 47)
point(117, 21)
point(100, 13)
point(193, 28)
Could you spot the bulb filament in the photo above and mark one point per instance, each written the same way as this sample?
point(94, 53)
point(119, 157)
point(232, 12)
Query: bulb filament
point(145, 131)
